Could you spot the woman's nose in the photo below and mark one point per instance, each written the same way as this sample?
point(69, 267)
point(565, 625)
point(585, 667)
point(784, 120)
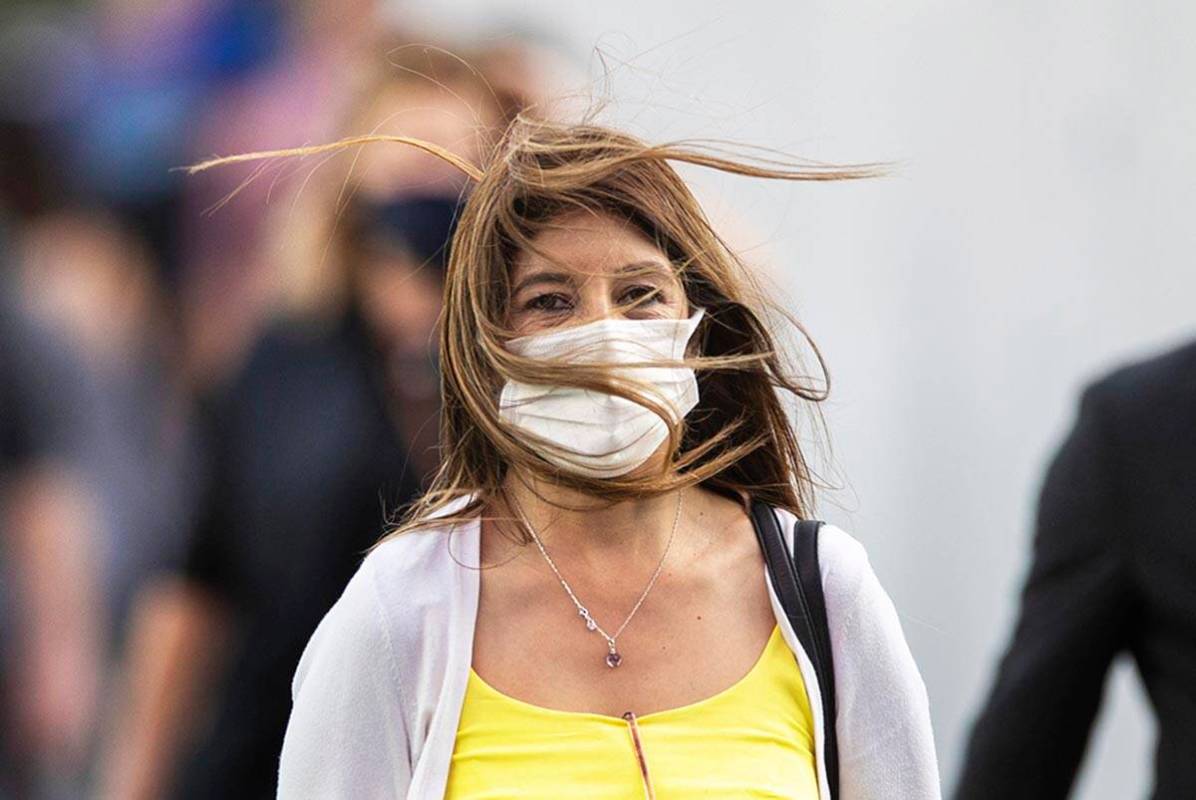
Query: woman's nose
point(598, 305)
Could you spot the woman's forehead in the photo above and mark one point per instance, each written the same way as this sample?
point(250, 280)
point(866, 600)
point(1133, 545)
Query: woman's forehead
point(588, 243)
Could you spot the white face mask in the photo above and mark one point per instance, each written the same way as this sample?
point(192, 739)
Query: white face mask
point(600, 435)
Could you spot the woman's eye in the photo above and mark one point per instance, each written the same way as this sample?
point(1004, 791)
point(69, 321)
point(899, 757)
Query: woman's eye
point(642, 295)
point(548, 302)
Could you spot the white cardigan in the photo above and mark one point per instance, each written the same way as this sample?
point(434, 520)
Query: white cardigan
point(378, 691)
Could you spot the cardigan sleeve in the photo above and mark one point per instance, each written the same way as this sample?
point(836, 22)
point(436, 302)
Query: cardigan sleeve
point(886, 744)
point(346, 736)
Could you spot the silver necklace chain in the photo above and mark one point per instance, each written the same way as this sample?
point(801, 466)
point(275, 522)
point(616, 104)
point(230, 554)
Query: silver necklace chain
point(613, 657)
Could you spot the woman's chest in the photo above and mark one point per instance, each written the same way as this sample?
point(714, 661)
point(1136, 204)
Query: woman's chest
point(753, 739)
point(689, 640)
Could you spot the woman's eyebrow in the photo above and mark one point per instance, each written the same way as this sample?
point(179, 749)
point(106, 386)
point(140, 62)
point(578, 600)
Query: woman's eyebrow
point(643, 267)
point(648, 266)
point(542, 277)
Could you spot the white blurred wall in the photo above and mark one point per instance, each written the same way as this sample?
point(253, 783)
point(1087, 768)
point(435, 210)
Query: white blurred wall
point(1039, 232)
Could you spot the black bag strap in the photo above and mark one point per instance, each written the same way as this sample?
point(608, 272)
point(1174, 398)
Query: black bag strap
point(797, 580)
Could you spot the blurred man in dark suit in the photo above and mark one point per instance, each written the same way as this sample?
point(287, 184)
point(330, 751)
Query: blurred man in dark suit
point(1114, 572)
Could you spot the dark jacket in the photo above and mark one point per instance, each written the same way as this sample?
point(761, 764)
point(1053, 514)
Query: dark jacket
point(305, 466)
point(1114, 572)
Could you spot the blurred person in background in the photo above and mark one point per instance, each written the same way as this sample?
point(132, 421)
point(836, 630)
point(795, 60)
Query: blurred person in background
point(51, 624)
point(94, 281)
point(324, 430)
point(93, 340)
point(1114, 571)
point(96, 501)
point(299, 94)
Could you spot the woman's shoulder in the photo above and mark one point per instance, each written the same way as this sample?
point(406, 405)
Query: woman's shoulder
point(418, 555)
point(402, 590)
point(419, 567)
point(842, 560)
point(361, 676)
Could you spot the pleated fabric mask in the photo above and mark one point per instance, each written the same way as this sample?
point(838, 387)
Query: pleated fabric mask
point(596, 434)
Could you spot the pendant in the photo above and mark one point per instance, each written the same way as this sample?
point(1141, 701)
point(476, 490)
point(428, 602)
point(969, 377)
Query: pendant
point(590, 623)
point(613, 659)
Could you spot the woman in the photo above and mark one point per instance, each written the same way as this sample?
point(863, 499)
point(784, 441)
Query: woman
point(579, 606)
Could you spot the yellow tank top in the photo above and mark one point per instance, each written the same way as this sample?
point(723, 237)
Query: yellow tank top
point(754, 739)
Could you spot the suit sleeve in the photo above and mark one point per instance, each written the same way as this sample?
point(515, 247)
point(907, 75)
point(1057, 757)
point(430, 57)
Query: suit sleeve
point(1030, 738)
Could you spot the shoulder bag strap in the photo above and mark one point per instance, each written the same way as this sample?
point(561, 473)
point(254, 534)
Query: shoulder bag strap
point(797, 580)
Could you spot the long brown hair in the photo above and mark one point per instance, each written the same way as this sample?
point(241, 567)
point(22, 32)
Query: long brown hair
point(737, 440)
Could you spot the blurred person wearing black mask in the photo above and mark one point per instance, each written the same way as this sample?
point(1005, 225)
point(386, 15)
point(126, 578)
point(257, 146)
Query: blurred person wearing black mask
point(1114, 572)
point(403, 304)
point(319, 437)
point(311, 453)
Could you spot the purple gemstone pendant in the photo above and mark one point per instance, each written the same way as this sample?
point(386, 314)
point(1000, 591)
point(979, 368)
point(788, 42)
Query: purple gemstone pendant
point(613, 659)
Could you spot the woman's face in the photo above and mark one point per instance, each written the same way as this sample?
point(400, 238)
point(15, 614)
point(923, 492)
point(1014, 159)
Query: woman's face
point(590, 266)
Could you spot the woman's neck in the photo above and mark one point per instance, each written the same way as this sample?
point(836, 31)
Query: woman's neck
point(589, 530)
